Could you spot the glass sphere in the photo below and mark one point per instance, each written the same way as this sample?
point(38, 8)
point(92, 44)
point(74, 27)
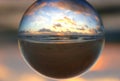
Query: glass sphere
point(61, 38)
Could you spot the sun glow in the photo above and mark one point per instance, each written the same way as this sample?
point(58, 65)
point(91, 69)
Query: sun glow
point(31, 77)
point(74, 79)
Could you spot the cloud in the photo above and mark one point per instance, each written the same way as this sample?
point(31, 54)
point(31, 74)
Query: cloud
point(67, 25)
point(61, 26)
point(34, 8)
point(68, 5)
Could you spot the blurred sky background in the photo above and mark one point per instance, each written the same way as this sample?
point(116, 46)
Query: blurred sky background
point(12, 66)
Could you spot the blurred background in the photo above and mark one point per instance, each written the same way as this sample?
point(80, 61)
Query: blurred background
point(12, 66)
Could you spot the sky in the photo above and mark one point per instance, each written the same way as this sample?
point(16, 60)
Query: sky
point(56, 18)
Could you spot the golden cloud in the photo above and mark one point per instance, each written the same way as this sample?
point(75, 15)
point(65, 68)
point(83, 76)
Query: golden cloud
point(65, 26)
point(68, 25)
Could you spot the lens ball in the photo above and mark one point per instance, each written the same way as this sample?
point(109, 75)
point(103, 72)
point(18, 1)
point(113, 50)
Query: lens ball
point(61, 38)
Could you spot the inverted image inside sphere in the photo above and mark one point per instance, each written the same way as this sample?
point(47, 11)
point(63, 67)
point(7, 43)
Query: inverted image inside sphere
point(61, 38)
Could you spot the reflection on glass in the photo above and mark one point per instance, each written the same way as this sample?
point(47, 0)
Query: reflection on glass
point(61, 38)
